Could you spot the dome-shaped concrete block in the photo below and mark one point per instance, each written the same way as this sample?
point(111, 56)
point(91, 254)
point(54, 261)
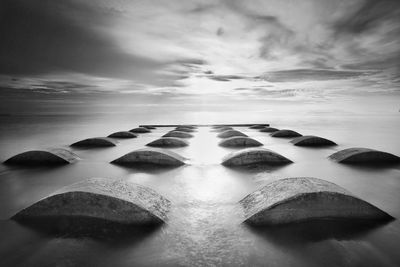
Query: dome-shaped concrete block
point(285, 133)
point(239, 141)
point(269, 130)
point(360, 155)
point(310, 140)
point(256, 126)
point(140, 130)
point(222, 129)
point(250, 156)
point(123, 134)
point(178, 134)
point(95, 142)
point(230, 133)
point(100, 200)
point(43, 157)
point(152, 156)
point(184, 129)
point(168, 142)
point(150, 127)
point(294, 200)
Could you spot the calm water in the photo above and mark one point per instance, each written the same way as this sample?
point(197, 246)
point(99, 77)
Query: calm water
point(204, 226)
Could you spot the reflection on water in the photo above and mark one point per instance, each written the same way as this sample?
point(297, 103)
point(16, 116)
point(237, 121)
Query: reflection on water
point(204, 226)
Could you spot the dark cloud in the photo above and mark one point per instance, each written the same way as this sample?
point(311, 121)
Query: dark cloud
point(370, 14)
point(46, 36)
point(312, 75)
point(225, 78)
point(220, 31)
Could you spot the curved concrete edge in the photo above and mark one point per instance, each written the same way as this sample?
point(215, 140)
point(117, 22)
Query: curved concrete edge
point(151, 155)
point(123, 134)
point(285, 133)
point(363, 155)
point(150, 127)
point(95, 142)
point(311, 140)
point(222, 129)
point(249, 156)
point(239, 141)
point(43, 157)
point(140, 130)
point(178, 134)
point(102, 200)
point(293, 200)
point(256, 126)
point(269, 130)
point(231, 133)
point(168, 142)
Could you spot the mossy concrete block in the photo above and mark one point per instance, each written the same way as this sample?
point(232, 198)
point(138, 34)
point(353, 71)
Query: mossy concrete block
point(140, 130)
point(301, 199)
point(178, 134)
point(101, 200)
point(151, 155)
point(95, 142)
point(359, 155)
point(254, 156)
point(123, 134)
point(310, 140)
point(239, 141)
point(168, 142)
point(231, 133)
point(285, 133)
point(43, 157)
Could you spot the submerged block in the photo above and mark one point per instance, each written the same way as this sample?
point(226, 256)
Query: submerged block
point(269, 130)
point(222, 129)
point(95, 142)
point(168, 142)
point(310, 140)
point(230, 133)
point(285, 133)
point(239, 141)
point(253, 156)
point(294, 200)
point(363, 155)
point(140, 130)
point(152, 156)
point(99, 200)
point(43, 157)
point(185, 129)
point(256, 126)
point(123, 134)
point(178, 134)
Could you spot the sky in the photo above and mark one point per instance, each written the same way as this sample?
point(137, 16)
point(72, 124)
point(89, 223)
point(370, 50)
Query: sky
point(208, 54)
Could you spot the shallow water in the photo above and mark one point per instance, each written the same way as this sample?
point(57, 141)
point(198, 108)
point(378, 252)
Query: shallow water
point(204, 226)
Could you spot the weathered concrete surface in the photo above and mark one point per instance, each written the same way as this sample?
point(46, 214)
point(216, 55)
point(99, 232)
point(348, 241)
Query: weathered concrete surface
point(269, 130)
point(178, 134)
point(123, 134)
point(95, 142)
point(102, 200)
point(43, 157)
point(294, 200)
point(310, 140)
point(257, 126)
point(363, 155)
point(285, 133)
point(140, 130)
point(151, 155)
point(239, 141)
point(254, 156)
point(168, 142)
point(184, 129)
point(230, 133)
